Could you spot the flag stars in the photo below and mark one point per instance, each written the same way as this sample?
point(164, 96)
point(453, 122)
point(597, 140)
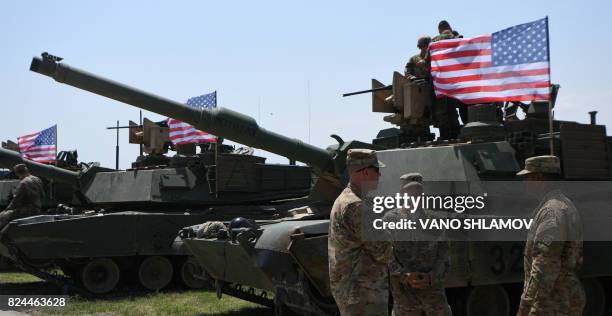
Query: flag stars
point(520, 44)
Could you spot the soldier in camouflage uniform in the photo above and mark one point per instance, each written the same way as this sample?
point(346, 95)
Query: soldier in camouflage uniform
point(445, 32)
point(357, 267)
point(553, 252)
point(27, 199)
point(419, 263)
point(418, 66)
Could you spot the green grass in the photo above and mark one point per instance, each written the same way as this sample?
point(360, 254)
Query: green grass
point(197, 303)
point(183, 303)
point(17, 277)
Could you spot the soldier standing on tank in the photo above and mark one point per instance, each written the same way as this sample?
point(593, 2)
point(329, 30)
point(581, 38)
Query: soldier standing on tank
point(445, 32)
point(357, 267)
point(418, 66)
point(445, 109)
point(27, 199)
point(553, 252)
point(419, 262)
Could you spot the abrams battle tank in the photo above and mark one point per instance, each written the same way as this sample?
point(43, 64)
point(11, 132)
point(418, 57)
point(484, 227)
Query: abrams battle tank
point(289, 257)
point(121, 229)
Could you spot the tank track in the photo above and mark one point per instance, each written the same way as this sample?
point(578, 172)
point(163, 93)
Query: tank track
point(67, 284)
point(245, 293)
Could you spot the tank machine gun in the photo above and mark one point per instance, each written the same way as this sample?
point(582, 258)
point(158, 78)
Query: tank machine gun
point(289, 257)
point(409, 101)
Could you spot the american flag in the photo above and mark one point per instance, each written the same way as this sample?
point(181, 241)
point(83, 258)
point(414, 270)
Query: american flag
point(182, 133)
point(509, 65)
point(39, 147)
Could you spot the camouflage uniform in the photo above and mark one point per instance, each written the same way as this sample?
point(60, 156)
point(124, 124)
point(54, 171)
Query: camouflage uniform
point(448, 34)
point(357, 268)
point(553, 252)
point(27, 200)
point(417, 66)
point(418, 253)
point(212, 230)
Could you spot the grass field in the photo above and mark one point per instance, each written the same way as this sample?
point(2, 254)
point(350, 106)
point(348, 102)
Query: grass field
point(17, 277)
point(200, 303)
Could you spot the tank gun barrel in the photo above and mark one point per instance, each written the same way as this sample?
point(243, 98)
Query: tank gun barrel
point(219, 121)
point(389, 87)
point(9, 158)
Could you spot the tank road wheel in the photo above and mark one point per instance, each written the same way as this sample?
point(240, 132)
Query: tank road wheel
point(595, 297)
point(191, 273)
point(488, 300)
point(155, 272)
point(100, 275)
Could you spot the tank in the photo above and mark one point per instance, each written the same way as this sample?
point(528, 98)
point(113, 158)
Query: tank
point(55, 193)
point(289, 257)
point(139, 211)
point(120, 232)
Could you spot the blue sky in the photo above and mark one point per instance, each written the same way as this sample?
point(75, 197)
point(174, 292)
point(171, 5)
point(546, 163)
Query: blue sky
point(264, 52)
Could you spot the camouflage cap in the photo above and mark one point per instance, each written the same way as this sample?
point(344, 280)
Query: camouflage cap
point(412, 182)
point(423, 41)
point(357, 159)
point(411, 177)
point(20, 168)
point(541, 164)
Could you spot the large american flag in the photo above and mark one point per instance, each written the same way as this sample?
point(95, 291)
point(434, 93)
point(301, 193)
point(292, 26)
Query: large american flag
point(39, 147)
point(509, 65)
point(182, 133)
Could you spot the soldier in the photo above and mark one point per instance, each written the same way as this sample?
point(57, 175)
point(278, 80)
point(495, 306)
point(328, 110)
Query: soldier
point(418, 66)
point(27, 200)
point(357, 267)
point(445, 32)
point(445, 109)
point(553, 252)
point(419, 263)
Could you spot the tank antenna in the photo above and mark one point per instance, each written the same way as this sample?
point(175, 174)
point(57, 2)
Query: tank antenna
point(117, 149)
point(550, 94)
point(308, 99)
